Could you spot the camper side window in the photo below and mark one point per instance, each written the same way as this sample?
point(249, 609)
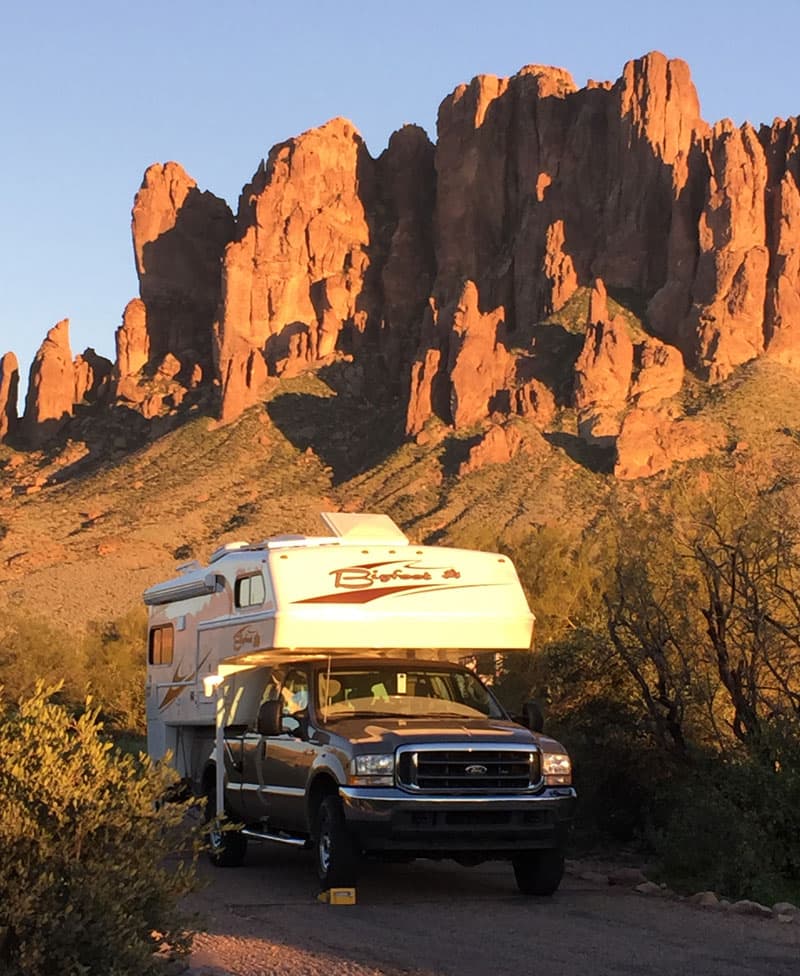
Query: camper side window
point(162, 644)
point(250, 591)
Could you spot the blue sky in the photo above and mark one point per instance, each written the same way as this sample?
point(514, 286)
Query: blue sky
point(93, 92)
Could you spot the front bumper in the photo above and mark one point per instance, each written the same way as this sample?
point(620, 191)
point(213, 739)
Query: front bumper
point(436, 824)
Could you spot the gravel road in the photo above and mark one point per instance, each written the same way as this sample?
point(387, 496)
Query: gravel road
point(429, 919)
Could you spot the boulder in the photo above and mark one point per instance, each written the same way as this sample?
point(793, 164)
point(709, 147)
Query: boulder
point(748, 907)
point(500, 444)
point(652, 440)
point(705, 899)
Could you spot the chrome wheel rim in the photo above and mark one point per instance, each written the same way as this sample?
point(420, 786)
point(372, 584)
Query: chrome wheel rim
point(324, 848)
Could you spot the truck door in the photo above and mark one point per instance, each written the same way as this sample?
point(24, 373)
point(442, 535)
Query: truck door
point(285, 762)
point(254, 799)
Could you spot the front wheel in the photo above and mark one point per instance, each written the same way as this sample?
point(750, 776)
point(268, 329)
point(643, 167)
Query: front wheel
point(539, 872)
point(337, 858)
point(226, 847)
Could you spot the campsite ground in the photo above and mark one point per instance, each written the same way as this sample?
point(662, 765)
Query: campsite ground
point(428, 919)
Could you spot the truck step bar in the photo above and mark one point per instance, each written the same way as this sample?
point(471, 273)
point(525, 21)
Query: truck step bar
point(275, 838)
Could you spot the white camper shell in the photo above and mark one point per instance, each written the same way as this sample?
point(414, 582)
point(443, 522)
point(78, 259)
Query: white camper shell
point(363, 588)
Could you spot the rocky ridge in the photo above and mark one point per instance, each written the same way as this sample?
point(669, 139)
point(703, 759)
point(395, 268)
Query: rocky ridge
point(442, 273)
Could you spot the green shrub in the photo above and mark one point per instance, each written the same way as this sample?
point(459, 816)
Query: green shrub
point(106, 661)
point(89, 875)
point(734, 827)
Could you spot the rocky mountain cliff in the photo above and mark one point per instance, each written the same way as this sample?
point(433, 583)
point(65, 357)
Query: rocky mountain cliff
point(562, 259)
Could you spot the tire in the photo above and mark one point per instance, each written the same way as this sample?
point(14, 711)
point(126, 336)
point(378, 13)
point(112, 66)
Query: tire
point(226, 848)
point(336, 856)
point(539, 872)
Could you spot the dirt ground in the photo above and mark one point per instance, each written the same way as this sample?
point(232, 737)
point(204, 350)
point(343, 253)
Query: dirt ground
point(439, 919)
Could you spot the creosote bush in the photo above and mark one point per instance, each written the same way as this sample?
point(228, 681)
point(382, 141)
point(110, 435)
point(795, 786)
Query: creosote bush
point(93, 863)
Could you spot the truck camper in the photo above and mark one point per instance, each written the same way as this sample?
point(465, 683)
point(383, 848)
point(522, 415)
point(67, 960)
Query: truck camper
point(313, 690)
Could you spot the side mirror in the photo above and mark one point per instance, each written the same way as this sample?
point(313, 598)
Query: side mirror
point(269, 718)
point(532, 716)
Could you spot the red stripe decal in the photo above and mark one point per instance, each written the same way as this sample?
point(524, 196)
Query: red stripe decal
point(367, 596)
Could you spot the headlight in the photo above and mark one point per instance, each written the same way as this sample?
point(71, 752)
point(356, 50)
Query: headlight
point(372, 771)
point(556, 769)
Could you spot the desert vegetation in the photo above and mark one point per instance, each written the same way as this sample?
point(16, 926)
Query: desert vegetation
point(669, 660)
point(94, 863)
point(105, 660)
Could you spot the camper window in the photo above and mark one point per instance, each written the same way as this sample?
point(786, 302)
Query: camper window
point(250, 590)
point(162, 643)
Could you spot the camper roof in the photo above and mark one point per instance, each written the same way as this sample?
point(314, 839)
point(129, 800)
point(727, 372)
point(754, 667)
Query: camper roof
point(347, 528)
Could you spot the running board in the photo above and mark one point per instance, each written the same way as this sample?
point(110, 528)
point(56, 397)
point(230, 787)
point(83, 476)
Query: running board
point(275, 838)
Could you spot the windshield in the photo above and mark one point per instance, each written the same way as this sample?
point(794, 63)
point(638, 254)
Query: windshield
point(402, 692)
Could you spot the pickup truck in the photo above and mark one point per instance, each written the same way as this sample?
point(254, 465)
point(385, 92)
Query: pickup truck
point(393, 759)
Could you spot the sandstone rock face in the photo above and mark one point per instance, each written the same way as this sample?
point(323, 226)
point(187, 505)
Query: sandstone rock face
point(542, 187)
point(440, 270)
point(603, 373)
point(560, 279)
point(51, 389)
point(500, 444)
point(651, 441)
point(603, 377)
point(179, 236)
point(531, 398)
point(478, 362)
point(657, 373)
point(727, 315)
point(458, 376)
point(92, 377)
point(612, 372)
point(332, 249)
point(782, 325)
point(133, 342)
point(534, 189)
point(9, 389)
point(782, 318)
point(407, 184)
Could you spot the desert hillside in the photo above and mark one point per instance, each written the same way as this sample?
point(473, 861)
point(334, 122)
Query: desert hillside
point(82, 547)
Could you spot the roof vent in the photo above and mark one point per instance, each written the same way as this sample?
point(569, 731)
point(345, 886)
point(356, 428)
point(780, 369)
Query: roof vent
point(365, 527)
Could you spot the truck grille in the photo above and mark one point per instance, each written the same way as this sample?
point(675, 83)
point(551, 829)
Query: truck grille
point(470, 771)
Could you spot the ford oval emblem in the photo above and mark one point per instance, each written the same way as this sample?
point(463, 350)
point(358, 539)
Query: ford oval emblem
point(476, 770)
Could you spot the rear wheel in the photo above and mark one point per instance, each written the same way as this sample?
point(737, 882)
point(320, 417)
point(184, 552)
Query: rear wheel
point(539, 872)
point(226, 847)
point(337, 858)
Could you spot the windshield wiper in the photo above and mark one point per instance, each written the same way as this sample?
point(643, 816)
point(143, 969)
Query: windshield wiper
point(452, 715)
point(365, 714)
